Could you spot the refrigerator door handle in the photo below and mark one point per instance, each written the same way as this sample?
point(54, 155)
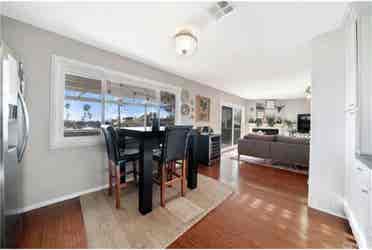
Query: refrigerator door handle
point(26, 121)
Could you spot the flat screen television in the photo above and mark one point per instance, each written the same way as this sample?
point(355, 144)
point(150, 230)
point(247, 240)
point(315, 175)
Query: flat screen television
point(303, 123)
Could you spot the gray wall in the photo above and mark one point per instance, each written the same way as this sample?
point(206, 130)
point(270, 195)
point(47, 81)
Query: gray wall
point(327, 149)
point(50, 174)
point(289, 112)
point(294, 107)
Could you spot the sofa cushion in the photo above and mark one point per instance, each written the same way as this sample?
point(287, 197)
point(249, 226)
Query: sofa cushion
point(292, 140)
point(260, 137)
point(256, 148)
point(290, 153)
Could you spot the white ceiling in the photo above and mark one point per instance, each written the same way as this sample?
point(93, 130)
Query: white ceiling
point(261, 50)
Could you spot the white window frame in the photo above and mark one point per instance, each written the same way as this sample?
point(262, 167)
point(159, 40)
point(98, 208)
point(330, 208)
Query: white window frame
point(62, 66)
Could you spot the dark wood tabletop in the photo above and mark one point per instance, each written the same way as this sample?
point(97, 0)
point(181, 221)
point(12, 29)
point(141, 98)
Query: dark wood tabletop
point(149, 140)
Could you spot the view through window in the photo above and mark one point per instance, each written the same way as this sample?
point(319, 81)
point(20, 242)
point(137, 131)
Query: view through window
point(128, 106)
point(167, 108)
point(124, 106)
point(82, 106)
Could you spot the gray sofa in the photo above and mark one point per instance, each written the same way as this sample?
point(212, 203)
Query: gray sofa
point(284, 149)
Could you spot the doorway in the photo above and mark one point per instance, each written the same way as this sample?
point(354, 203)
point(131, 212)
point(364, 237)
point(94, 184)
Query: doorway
point(231, 125)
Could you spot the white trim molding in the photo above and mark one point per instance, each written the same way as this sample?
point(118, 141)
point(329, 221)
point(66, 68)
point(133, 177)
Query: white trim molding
point(59, 199)
point(357, 231)
point(328, 211)
point(64, 198)
point(60, 67)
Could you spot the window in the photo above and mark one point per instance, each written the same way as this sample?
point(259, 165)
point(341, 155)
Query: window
point(85, 96)
point(260, 111)
point(237, 124)
point(82, 106)
point(232, 124)
point(270, 104)
point(129, 106)
point(167, 108)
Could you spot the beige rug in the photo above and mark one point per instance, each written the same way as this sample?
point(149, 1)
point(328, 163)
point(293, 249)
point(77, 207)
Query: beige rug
point(108, 227)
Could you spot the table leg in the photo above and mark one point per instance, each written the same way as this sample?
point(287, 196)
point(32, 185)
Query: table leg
point(192, 173)
point(145, 177)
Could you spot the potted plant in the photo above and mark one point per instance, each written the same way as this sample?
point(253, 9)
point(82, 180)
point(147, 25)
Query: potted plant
point(251, 120)
point(270, 120)
point(259, 122)
point(288, 124)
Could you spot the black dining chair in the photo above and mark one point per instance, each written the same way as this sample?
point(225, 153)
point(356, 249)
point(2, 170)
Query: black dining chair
point(117, 161)
point(129, 149)
point(172, 159)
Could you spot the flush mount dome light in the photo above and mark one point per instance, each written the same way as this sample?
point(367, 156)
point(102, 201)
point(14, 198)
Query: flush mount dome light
point(185, 42)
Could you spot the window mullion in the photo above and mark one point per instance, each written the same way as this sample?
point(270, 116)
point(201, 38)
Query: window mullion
point(145, 118)
point(119, 115)
point(103, 99)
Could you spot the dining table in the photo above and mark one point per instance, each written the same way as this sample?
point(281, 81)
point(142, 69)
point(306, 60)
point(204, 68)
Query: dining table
point(149, 140)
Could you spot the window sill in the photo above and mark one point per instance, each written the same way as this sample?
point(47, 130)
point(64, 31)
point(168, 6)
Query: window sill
point(75, 142)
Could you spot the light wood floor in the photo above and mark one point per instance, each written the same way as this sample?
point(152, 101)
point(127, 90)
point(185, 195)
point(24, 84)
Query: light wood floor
point(268, 210)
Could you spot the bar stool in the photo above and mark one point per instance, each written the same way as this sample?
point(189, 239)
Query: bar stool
point(117, 162)
point(172, 157)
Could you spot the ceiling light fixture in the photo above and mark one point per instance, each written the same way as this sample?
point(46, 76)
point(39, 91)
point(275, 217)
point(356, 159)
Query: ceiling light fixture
point(185, 43)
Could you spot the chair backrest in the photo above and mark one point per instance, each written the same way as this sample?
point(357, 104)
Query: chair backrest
point(176, 141)
point(124, 141)
point(111, 142)
point(115, 145)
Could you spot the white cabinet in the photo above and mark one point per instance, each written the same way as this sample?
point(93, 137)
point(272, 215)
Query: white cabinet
point(358, 197)
point(350, 66)
point(364, 86)
point(358, 127)
point(350, 150)
point(360, 191)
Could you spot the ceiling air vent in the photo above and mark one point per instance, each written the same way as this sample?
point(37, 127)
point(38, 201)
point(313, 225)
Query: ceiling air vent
point(221, 9)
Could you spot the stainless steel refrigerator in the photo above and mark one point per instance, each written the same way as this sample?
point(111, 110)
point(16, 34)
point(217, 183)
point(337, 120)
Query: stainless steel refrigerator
point(14, 132)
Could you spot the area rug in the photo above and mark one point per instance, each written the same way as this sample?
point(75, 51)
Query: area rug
point(266, 163)
point(108, 227)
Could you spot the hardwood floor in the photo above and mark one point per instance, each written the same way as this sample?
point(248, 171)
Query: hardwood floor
point(57, 226)
point(268, 210)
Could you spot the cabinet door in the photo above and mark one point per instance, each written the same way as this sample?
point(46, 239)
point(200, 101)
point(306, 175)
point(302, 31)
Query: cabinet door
point(360, 191)
point(349, 152)
point(364, 86)
point(350, 65)
point(354, 191)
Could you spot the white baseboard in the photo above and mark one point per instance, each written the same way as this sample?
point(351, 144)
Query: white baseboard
point(59, 199)
point(328, 211)
point(357, 232)
point(63, 198)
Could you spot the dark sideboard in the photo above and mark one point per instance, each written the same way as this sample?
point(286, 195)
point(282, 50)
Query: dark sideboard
point(209, 148)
